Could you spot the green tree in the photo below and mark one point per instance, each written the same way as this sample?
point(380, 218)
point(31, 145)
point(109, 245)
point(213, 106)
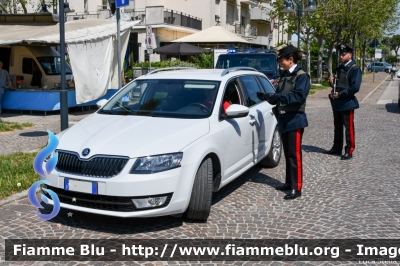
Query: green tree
point(204, 60)
point(20, 6)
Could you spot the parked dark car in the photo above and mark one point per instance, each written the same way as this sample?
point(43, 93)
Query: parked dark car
point(315, 65)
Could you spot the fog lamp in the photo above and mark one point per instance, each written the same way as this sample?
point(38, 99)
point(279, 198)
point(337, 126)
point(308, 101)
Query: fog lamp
point(149, 202)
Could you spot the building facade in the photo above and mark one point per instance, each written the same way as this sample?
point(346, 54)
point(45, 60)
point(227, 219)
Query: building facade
point(246, 18)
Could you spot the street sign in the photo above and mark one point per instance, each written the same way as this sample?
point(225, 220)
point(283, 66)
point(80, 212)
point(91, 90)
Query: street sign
point(270, 37)
point(149, 42)
point(271, 25)
point(378, 53)
point(121, 3)
point(150, 50)
point(149, 30)
point(149, 39)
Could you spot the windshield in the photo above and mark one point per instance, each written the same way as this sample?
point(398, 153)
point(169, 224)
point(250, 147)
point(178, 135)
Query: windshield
point(265, 63)
point(165, 98)
point(51, 65)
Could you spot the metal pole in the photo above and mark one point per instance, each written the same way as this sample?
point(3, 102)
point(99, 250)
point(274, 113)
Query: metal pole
point(299, 5)
point(119, 49)
point(63, 92)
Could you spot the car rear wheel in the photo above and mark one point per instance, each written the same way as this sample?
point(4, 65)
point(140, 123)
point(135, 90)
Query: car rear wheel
point(275, 152)
point(200, 200)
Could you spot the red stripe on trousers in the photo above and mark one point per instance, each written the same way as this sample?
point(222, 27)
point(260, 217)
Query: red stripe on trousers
point(351, 126)
point(298, 159)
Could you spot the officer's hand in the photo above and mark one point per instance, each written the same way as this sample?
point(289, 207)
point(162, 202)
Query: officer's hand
point(260, 96)
point(331, 80)
point(335, 95)
point(270, 98)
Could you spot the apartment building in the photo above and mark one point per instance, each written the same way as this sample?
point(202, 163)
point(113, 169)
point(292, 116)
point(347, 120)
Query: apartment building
point(247, 18)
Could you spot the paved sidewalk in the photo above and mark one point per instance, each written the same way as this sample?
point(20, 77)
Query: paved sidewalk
point(30, 139)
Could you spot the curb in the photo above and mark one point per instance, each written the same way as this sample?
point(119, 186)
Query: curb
point(14, 197)
point(371, 92)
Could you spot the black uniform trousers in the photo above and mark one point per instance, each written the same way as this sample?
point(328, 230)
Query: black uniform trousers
point(294, 162)
point(344, 119)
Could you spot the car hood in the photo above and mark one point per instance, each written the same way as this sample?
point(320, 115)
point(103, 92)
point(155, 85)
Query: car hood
point(132, 136)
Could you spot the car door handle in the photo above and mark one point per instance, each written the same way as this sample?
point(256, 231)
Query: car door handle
point(252, 121)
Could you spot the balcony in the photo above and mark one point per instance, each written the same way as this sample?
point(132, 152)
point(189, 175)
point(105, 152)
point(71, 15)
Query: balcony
point(85, 15)
point(171, 17)
point(249, 2)
point(248, 32)
point(259, 15)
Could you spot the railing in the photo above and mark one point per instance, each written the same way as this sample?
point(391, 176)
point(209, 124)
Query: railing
point(182, 19)
point(248, 31)
point(84, 15)
point(172, 18)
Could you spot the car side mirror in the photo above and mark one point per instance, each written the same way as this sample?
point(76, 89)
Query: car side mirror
point(101, 103)
point(236, 111)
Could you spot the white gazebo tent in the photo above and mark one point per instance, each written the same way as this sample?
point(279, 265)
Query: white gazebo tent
point(215, 34)
point(91, 46)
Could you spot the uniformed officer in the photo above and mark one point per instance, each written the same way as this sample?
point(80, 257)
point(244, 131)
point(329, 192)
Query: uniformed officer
point(344, 102)
point(293, 88)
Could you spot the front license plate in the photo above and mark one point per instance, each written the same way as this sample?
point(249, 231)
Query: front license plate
point(80, 186)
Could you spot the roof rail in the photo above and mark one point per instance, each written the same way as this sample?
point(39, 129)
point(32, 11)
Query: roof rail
point(168, 69)
point(226, 71)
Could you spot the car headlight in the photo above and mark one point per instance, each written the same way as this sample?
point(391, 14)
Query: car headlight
point(157, 163)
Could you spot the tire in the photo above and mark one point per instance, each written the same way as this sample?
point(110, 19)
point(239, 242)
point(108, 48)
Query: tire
point(200, 200)
point(275, 152)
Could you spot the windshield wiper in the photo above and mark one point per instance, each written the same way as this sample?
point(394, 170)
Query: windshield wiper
point(125, 109)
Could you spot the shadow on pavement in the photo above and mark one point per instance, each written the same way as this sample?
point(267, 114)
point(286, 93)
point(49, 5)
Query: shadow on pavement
point(115, 225)
point(34, 134)
point(253, 175)
point(310, 148)
point(111, 225)
point(393, 108)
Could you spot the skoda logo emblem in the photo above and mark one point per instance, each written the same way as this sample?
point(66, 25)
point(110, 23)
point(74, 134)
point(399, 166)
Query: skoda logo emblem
point(86, 152)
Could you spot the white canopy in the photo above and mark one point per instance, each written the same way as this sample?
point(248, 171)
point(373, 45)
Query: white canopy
point(215, 34)
point(91, 47)
point(75, 31)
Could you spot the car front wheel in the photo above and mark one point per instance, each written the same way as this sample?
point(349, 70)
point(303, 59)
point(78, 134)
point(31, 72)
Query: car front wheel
point(275, 152)
point(200, 200)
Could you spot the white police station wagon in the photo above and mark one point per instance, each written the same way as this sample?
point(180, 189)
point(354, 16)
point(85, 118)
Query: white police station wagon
point(165, 142)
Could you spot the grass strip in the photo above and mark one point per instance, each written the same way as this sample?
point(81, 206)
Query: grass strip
point(6, 126)
point(16, 173)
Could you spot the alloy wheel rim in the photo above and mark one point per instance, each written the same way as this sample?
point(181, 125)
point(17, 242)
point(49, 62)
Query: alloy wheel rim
point(276, 146)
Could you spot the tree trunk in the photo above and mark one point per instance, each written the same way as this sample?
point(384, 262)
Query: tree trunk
point(320, 54)
point(330, 52)
point(23, 4)
point(363, 48)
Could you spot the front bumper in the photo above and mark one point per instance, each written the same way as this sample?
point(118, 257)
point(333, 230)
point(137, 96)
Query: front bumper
point(114, 195)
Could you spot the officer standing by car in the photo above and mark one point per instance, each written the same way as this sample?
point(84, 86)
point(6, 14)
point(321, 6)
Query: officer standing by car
point(293, 88)
point(344, 102)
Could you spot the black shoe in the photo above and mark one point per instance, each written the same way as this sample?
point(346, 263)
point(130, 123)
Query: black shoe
point(333, 152)
point(346, 156)
point(284, 187)
point(293, 194)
